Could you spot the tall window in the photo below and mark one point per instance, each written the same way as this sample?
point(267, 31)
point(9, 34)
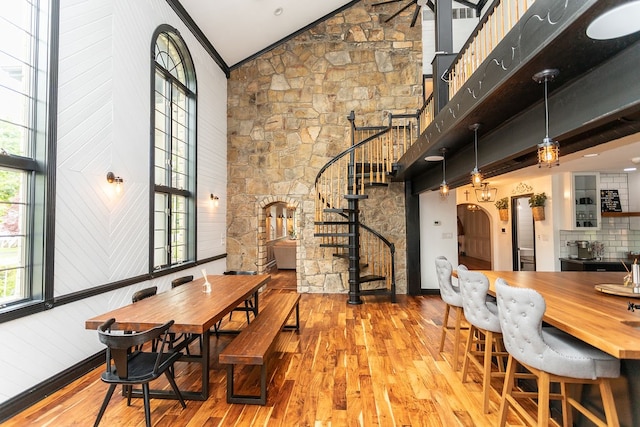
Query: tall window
point(173, 152)
point(24, 27)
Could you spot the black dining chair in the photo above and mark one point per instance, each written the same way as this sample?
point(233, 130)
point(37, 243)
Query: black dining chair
point(138, 367)
point(181, 281)
point(249, 303)
point(144, 293)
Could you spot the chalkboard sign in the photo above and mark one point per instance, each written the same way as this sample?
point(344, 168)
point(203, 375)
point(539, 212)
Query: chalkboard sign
point(610, 201)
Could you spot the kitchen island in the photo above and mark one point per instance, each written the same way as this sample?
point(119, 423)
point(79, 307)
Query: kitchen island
point(601, 320)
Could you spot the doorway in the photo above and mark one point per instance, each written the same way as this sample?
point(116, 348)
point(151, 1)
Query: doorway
point(523, 234)
point(474, 237)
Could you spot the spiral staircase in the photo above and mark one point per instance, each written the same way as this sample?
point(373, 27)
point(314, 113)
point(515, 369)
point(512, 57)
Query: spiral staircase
point(340, 186)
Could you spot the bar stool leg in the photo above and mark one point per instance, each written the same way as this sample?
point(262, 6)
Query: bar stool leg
point(456, 348)
point(445, 325)
point(543, 398)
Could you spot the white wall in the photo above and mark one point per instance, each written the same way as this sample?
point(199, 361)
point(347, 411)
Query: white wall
point(103, 125)
point(438, 234)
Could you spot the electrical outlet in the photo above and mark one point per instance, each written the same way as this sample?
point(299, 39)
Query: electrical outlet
point(223, 239)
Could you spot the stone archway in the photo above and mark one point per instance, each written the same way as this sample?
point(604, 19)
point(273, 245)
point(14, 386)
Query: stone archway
point(292, 205)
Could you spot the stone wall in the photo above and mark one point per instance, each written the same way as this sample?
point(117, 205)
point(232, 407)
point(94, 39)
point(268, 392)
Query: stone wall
point(287, 117)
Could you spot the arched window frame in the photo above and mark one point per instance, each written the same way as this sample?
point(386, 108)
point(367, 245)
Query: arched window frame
point(173, 152)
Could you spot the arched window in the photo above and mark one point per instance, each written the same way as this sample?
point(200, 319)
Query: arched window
point(173, 152)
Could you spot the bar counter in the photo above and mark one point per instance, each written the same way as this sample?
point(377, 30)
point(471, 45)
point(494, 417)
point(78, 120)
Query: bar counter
point(602, 320)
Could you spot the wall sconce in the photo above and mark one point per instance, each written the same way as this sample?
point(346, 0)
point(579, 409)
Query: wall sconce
point(486, 193)
point(214, 200)
point(476, 176)
point(111, 179)
point(548, 149)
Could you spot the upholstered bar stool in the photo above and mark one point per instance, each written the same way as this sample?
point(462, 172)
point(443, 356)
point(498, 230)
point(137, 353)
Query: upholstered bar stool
point(485, 335)
point(451, 296)
point(552, 356)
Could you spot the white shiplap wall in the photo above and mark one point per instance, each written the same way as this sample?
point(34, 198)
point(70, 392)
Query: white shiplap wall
point(103, 125)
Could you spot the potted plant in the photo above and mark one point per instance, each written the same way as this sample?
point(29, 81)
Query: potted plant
point(537, 202)
point(503, 208)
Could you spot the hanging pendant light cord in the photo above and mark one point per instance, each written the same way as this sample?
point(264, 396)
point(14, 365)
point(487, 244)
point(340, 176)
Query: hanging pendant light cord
point(546, 109)
point(475, 146)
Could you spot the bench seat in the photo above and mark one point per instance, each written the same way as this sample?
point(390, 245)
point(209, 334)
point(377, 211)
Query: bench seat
point(255, 343)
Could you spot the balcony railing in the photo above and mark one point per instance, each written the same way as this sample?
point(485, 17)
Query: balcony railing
point(497, 22)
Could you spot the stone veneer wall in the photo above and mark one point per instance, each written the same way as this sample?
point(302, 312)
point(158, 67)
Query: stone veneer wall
point(287, 117)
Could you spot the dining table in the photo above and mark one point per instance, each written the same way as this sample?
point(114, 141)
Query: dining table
point(575, 305)
point(194, 313)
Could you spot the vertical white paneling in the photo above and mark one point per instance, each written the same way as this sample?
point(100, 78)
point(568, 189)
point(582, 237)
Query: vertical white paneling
point(104, 125)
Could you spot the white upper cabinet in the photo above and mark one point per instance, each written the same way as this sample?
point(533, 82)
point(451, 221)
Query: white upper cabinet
point(581, 201)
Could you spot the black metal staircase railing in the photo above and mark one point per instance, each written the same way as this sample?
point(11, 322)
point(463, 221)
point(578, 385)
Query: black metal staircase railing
point(341, 184)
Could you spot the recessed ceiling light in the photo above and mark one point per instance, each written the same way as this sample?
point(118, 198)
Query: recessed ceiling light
point(436, 158)
point(630, 169)
point(278, 11)
point(617, 22)
point(591, 155)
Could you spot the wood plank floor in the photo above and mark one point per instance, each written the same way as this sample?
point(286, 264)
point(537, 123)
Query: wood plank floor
point(375, 364)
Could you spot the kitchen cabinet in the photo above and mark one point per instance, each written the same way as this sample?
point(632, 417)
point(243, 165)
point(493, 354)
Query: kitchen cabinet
point(607, 264)
point(581, 196)
point(633, 180)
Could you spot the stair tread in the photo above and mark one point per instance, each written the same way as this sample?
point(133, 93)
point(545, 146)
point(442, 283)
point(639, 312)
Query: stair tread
point(333, 234)
point(371, 278)
point(333, 245)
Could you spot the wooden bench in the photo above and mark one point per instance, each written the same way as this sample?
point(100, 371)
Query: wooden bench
point(254, 344)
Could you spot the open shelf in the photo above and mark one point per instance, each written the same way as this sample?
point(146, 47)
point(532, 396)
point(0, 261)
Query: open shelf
point(619, 214)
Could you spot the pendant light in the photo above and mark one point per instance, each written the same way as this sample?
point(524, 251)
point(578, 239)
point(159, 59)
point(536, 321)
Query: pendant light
point(548, 149)
point(486, 193)
point(444, 188)
point(476, 176)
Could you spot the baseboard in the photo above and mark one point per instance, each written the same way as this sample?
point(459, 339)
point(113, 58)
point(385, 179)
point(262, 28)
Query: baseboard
point(24, 400)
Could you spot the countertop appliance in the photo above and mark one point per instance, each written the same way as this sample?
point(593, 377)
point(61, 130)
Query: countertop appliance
point(584, 249)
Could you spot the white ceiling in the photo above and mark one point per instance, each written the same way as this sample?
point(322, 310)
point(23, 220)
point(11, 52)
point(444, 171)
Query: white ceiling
point(238, 29)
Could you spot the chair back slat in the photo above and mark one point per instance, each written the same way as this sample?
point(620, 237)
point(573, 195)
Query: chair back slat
point(118, 346)
point(181, 281)
point(144, 293)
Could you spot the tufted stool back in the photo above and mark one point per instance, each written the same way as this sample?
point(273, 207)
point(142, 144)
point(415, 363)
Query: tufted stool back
point(548, 349)
point(477, 310)
point(450, 294)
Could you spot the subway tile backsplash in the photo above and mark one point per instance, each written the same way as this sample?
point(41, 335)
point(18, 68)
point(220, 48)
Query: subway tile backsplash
point(614, 232)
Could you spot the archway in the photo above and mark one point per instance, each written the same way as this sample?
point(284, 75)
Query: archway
point(278, 223)
point(474, 236)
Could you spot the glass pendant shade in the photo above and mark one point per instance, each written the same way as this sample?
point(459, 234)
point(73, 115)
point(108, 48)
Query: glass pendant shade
point(476, 177)
point(548, 153)
point(444, 189)
point(486, 193)
point(548, 149)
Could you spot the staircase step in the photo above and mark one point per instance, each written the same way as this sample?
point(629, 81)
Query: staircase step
point(331, 223)
point(371, 278)
point(333, 234)
point(334, 245)
point(355, 196)
point(336, 210)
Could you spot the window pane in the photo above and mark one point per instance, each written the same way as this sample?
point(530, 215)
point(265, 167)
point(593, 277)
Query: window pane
point(13, 235)
point(161, 230)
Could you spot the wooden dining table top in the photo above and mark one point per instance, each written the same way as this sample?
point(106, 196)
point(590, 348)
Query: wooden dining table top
point(576, 307)
point(191, 309)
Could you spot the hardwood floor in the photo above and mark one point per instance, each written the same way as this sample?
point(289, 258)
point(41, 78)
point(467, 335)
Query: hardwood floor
point(474, 263)
point(375, 364)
